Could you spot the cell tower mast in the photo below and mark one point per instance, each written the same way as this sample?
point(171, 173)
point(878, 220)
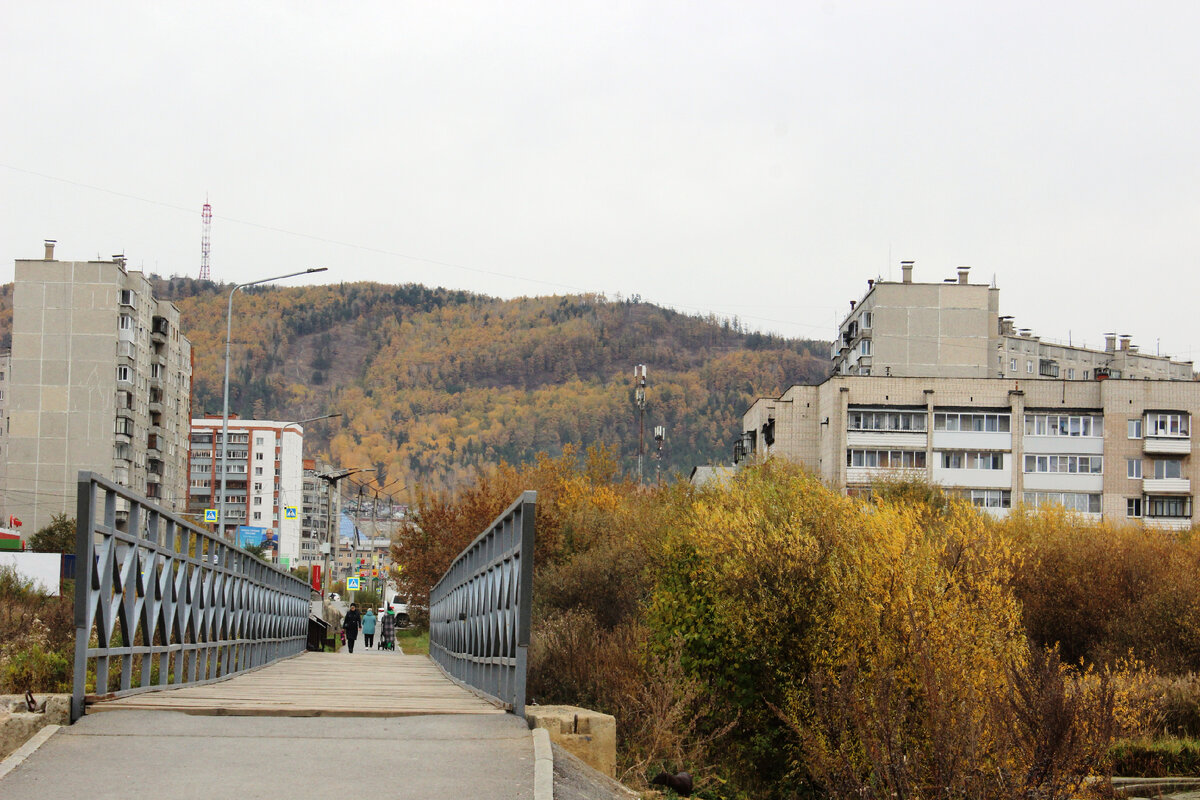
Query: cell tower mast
point(205, 228)
point(639, 397)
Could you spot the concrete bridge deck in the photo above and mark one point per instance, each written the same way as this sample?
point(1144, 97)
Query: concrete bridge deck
point(317, 725)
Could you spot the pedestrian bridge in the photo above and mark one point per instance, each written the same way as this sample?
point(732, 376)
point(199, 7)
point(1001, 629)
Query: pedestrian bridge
point(192, 678)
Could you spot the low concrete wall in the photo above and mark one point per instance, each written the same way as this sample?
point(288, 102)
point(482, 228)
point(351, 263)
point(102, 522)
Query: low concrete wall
point(588, 735)
point(18, 724)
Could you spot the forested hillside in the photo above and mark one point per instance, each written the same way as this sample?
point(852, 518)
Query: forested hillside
point(434, 383)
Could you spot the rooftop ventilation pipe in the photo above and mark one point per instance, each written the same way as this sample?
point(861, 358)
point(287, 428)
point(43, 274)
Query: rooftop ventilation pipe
point(962, 275)
point(50, 248)
point(906, 271)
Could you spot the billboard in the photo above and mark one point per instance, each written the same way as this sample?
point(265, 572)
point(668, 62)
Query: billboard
point(249, 536)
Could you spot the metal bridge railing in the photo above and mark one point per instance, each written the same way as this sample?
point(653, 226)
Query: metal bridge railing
point(161, 603)
point(479, 610)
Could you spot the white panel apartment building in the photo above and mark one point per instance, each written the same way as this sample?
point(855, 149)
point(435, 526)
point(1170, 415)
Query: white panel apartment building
point(100, 380)
point(264, 481)
point(1001, 419)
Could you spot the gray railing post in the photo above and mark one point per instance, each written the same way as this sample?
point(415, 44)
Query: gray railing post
point(480, 609)
point(203, 609)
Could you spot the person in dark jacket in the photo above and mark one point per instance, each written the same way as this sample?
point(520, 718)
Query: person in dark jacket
point(351, 624)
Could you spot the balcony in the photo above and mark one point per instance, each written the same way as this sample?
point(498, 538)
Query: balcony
point(1167, 445)
point(1167, 485)
point(153, 443)
point(159, 328)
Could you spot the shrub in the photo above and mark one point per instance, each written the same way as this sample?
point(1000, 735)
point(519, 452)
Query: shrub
point(868, 650)
point(34, 669)
point(37, 631)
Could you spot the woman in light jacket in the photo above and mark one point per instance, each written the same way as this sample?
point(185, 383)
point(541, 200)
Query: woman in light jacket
point(368, 625)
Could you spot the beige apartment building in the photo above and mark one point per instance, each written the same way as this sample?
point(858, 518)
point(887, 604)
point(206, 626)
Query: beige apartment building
point(100, 381)
point(5, 369)
point(1001, 418)
point(953, 329)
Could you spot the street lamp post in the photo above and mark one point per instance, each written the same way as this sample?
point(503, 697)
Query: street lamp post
point(225, 408)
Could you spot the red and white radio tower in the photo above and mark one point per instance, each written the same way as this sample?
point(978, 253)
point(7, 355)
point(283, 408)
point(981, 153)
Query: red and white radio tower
point(206, 226)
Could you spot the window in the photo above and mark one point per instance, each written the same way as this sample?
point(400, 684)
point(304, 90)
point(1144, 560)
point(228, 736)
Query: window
point(1133, 506)
point(953, 459)
point(258, 487)
point(911, 421)
point(123, 375)
point(1165, 424)
point(984, 423)
point(258, 501)
point(258, 470)
point(1072, 501)
point(126, 322)
point(1133, 468)
point(1165, 468)
point(1064, 425)
point(258, 456)
point(886, 459)
point(258, 440)
point(866, 320)
point(1135, 429)
point(125, 297)
point(1029, 367)
point(257, 515)
point(989, 498)
point(1087, 374)
point(124, 426)
point(1012, 365)
point(1070, 373)
point(1074, 465)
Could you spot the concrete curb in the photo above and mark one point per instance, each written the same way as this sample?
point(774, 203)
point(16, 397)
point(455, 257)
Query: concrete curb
point(27, 749)
point(543, 765)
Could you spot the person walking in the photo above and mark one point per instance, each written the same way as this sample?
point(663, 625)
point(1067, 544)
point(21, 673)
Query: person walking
point(350, 625)
point(387, 631)
point(368, 626)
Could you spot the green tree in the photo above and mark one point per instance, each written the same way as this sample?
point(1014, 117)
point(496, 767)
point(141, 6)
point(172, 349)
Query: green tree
point(57, 537)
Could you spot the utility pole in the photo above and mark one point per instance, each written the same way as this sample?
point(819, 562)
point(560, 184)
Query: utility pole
point(639, 397)
point(332, 478)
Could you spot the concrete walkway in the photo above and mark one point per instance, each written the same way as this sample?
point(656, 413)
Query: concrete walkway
point(174, 755)
point(369, 724)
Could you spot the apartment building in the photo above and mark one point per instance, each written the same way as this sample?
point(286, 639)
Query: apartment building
point(316, 514)
point(264, 481)
point(1105, 433)
point(954, 329)
point(5, 369)
point(100, 380)
point(369, 552)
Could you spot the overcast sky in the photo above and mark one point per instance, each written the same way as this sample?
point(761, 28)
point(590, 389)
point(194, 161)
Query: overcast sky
point(746, 158)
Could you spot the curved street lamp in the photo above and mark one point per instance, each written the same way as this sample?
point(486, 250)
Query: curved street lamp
point(225, 408)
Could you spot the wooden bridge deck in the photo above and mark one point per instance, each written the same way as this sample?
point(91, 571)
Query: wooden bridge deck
point(367, 683)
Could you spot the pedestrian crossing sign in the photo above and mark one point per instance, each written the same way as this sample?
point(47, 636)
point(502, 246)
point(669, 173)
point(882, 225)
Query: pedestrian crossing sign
point(210, 515)
point(351, 584)
point(289, 512)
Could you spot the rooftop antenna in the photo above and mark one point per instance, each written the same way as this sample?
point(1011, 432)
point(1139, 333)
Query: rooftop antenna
point(205, 228)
